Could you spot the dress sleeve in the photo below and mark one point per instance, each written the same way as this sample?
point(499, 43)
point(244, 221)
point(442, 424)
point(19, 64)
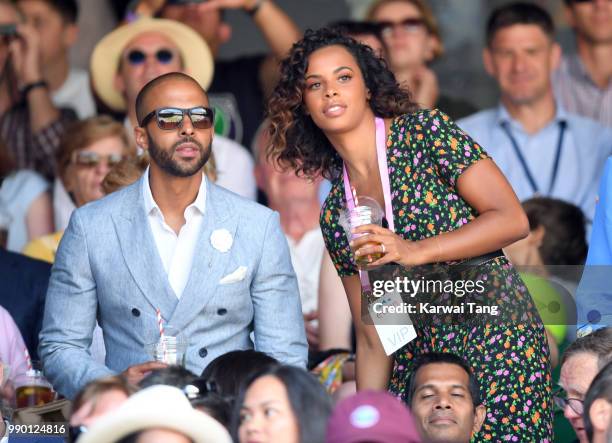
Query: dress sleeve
point(452, 150)
point(334, 235)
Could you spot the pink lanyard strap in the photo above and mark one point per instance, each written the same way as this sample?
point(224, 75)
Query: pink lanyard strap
point(381, 154)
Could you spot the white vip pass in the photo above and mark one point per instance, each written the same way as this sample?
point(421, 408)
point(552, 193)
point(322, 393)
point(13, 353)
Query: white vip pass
point(394, 330)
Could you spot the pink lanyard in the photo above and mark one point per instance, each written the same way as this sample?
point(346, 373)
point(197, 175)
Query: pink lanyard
point(381, 154)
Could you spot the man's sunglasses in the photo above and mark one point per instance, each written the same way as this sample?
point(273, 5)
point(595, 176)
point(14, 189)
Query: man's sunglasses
point(90, 159)
point(169, 119)
point(138, 57)
point(410, 25)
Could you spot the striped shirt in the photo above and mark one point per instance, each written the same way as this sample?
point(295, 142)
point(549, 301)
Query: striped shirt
point(579, 94)
point(30, 150)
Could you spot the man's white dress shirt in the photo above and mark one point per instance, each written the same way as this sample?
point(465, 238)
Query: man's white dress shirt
point(176, 251)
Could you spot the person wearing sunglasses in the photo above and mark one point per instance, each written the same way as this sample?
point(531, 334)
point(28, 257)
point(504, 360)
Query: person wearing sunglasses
point(412, 40)
point(583, 82)
point(136, 53)
point(581, 362)
point(174, 248)
point(87, 153)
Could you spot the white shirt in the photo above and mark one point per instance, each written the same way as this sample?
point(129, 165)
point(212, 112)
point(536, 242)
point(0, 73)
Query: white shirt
point(585, 148)
point(306, 257)
point(76, 93)
point(176, 251)
point(235, 165)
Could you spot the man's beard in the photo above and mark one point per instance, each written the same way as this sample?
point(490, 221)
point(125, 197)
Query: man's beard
point(165, 159)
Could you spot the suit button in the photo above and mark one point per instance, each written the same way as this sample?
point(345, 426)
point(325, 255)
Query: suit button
point(203, 352)
point(222, 311)
point(135, 312)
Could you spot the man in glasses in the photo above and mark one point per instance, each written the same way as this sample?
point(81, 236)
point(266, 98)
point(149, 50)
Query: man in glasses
point(581, 361)
point(412, 40)
point(215, 266)
point(541, 148)
point(132, 55)
point(583, 81)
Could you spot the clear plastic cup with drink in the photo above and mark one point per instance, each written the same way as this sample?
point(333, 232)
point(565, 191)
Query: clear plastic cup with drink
point(367, 211)
point(169, 349)
point(33, 389)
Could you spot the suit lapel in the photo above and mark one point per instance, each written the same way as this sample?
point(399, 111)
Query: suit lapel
point(208, 263)
point(141, 254)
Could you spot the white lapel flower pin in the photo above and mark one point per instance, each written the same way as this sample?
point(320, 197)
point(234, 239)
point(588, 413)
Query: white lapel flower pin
point(221, 239)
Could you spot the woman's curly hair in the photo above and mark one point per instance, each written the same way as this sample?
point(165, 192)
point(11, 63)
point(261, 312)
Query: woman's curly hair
point(296, 142)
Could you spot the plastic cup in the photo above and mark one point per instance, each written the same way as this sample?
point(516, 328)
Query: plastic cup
point(33, 389)
point(367, 212)
point(169, 349)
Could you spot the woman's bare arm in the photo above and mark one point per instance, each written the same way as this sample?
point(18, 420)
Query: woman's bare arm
point(500, 222)
point(373, 366)
point(334, 311)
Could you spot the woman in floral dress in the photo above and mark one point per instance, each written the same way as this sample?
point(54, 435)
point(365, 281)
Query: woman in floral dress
point(335, 110)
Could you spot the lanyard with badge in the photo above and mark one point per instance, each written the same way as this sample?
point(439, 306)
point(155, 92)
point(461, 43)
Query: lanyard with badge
point(394, 336)
point(555, 168)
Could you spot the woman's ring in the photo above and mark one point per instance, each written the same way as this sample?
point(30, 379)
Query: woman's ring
point(384, 250)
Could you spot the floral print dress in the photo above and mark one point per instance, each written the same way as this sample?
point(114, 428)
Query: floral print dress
point(426, 154)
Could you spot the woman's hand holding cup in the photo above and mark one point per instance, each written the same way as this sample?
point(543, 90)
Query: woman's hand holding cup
point(373, 240)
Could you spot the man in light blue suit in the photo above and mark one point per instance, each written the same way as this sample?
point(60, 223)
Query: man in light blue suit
point(216, 265)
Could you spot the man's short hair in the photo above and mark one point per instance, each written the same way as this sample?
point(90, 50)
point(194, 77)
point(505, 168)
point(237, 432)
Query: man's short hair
point(444, 358)
point(142, 95)
point(601, 388)
point(598, 343)
point(519, 14)
point(68, 9)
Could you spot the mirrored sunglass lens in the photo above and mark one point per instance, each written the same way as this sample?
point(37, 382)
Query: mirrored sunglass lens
point(136, 57)
point(170, 118)
point(201, 118)
point(164, 56)
point(114, 159)
point(386, 28)
point(87, 158)
point(412, 24)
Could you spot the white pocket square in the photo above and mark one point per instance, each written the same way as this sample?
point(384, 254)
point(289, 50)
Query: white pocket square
point(235, 276)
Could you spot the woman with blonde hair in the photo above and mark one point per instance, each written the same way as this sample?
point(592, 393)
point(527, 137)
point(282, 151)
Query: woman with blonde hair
point(87, 152)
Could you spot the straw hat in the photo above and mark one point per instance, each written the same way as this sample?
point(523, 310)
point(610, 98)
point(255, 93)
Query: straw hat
point(197, 58)
point(159, 406)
